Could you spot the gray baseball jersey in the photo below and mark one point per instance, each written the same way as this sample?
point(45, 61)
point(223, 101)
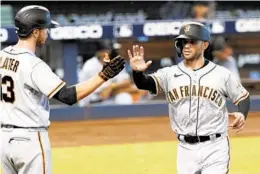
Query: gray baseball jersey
point(197, 99)
point(27, 85)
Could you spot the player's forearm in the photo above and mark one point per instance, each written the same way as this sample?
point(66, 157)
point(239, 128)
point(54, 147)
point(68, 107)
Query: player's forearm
point(72, 94)
point(244, 106)
point(143, 81)
point(87, 87)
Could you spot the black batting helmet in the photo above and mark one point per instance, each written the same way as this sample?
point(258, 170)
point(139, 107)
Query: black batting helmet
point(33, 17)
point(192, 30)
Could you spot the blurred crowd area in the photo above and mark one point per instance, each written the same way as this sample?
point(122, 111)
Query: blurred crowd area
point(75, 13)
point(240, 53)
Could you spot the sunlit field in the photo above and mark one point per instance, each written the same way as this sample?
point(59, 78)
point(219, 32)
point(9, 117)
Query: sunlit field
point(146, 158)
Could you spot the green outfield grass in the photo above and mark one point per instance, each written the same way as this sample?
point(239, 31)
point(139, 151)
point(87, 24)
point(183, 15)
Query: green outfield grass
point(146, 158)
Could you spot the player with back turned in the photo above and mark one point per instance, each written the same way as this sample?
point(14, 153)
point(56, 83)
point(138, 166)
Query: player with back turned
point(27, 84)
point(196, 90)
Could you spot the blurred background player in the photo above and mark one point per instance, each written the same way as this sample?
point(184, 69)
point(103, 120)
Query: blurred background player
point(200, 11)
point(119, 90)
point(223, 55)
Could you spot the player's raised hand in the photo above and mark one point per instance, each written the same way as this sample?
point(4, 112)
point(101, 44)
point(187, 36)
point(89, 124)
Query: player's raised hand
point(137, 62)
point(112, 67)
point(239, 122)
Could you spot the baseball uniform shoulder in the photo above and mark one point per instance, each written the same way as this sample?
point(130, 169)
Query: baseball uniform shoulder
point(26, 57)
point(163, 73)
point(170, 69)
point(222, 71)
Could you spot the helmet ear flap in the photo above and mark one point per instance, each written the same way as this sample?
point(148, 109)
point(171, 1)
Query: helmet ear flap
point(178, 47)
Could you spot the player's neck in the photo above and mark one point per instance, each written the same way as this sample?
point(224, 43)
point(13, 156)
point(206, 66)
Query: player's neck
point(195, 63)
point(29, 44)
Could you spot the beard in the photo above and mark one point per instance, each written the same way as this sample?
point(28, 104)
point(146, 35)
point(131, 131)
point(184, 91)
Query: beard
point(40, 42)
point(195, 56)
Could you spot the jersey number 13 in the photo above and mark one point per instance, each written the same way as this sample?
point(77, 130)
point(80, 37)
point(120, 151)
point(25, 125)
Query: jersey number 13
point(9, 96)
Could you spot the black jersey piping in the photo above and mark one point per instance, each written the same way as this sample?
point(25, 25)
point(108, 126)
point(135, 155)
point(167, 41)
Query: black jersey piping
point(190, 87)
point(197, 120)
point(17, 53)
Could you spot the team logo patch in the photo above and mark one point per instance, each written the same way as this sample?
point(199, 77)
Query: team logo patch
point(186, 28)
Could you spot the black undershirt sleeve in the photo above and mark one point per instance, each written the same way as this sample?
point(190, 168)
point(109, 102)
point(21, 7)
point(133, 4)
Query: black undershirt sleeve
point(143, 81)
point(67, 95)
point(244, 106)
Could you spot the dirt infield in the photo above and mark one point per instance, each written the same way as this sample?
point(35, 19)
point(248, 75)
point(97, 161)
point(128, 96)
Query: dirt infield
point(126, 130)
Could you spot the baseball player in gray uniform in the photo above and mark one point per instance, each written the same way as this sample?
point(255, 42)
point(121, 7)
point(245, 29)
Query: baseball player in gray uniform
point(196, 90)
point(27, 83)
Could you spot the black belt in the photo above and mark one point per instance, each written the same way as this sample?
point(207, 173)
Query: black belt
point(9, 126)
point(196, 139)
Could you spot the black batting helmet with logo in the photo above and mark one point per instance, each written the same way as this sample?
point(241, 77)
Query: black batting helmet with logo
point(33, 17)
point(192, 30)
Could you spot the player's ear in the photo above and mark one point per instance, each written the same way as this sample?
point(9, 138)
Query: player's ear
point(35, 33)
point(205, 45)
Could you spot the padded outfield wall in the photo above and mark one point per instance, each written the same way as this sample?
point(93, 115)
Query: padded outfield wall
point(155, 108)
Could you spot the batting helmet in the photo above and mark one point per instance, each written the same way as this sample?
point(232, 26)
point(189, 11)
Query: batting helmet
point(33, 17)
point(192, 30)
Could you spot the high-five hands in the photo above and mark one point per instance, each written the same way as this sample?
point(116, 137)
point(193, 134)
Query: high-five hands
point(112, 67)
point(137, 62)
point(239, 122)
